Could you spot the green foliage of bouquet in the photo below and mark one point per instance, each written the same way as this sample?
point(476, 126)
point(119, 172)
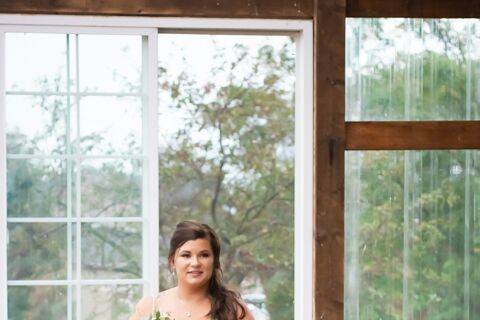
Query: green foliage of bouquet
point(161, 316)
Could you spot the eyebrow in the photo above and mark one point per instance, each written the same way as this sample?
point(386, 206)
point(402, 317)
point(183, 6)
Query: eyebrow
point(188, 251)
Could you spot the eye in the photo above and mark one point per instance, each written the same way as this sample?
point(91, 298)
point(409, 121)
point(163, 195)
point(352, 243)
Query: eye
point(205, 255)
point(185, 255)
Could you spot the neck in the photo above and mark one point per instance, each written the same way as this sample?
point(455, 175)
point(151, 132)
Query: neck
point(188, 293)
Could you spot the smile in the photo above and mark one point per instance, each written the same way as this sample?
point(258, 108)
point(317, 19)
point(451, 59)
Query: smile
point(195, 273)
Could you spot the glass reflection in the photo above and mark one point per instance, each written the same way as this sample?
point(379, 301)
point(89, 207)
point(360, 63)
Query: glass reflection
point(412, 235)
point(226, 133)
point(111, 188)
point(412, 69)
point(109, 302)
point(111, 250)
point(36, 188)
point(37, 251)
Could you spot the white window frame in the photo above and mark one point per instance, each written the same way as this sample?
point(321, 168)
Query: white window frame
point(150, 180)
point(303, 33)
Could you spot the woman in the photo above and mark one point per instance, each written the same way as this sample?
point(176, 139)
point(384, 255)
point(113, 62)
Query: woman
point(194, 257)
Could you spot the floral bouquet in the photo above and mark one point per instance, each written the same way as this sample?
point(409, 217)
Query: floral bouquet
point(161, 316)
point(147, 310)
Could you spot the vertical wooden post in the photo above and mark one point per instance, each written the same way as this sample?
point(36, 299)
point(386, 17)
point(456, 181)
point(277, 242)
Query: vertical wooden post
point(329, 149)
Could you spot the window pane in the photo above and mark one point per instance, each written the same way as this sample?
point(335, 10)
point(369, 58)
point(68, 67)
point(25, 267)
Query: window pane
point(226, 153)
point(109, 302)
point(110, 63)
point(111, 250)
point(33, 302)
point(36, 124)
point(412, 69)
point(41, 69)
point(110, 125)
point(36, 188)
point(111, 188)
point(412, 235)
point(74, 127)
point(37, 251)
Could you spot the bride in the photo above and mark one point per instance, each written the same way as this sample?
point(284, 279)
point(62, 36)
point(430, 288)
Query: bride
point(194, 257)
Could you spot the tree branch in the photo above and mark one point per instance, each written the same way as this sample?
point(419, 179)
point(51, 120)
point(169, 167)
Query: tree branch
point(260, 207)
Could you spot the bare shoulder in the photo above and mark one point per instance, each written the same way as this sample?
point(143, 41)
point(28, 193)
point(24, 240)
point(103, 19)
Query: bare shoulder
point(146, 306)
point(168, 292)
point(143, 308)
point(164, 298)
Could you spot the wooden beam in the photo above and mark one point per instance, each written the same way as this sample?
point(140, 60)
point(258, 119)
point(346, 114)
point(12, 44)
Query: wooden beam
point(414, 8)
point(412, 135)
point(329, 147)
point(286, 9)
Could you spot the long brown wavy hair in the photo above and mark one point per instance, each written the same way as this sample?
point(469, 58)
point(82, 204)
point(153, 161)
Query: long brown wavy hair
point(225, 303)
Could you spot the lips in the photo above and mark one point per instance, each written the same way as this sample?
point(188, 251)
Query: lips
point(195, 273)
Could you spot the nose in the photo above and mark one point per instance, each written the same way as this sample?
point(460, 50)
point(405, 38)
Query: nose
point(195, 261)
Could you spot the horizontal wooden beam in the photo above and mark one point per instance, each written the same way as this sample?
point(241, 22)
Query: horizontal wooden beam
point(285, 9)
point(412, 135)
point(414, 8)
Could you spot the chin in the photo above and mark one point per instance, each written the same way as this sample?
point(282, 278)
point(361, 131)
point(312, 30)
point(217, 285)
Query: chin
point(200, 281)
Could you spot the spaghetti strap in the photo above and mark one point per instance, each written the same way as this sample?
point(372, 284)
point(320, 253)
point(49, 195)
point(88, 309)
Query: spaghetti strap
point(156, 305)
point(153, 305)
point(155, 298)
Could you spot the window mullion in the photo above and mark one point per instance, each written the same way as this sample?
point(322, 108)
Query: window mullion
point(78, 291)
point(412, 135)
point(69, 191)
point(3, 187)
point(73, 219)
point(150, 194)
point(73, 156)
point(87, 282)
point(153, 191)
point(81, 94)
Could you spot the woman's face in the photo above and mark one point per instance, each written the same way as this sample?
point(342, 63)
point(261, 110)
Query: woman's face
point(193, 262)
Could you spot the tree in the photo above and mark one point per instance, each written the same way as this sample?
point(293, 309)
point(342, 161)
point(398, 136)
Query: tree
point(410, 247)
point(229, 163)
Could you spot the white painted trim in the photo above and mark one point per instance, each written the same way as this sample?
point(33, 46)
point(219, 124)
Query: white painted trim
point(146, 254)
point(303, 119)
point(78, 193)
point(69, 186)
point(304, 175)
point(81, 94)
point(74, 219)
point(150, 233)
point(79, 157)
point(3, 187)
point(86, 282)
point(152, 219)
point(128, 23)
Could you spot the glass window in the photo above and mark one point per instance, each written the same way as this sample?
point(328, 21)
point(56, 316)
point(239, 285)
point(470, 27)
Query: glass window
point(226, 150)
point(109, 147)
point(74, 128)
point(412, 69)
point(412, 234)
point(411, 227)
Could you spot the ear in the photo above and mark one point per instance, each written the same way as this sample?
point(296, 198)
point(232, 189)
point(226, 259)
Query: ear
point(171, 263)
